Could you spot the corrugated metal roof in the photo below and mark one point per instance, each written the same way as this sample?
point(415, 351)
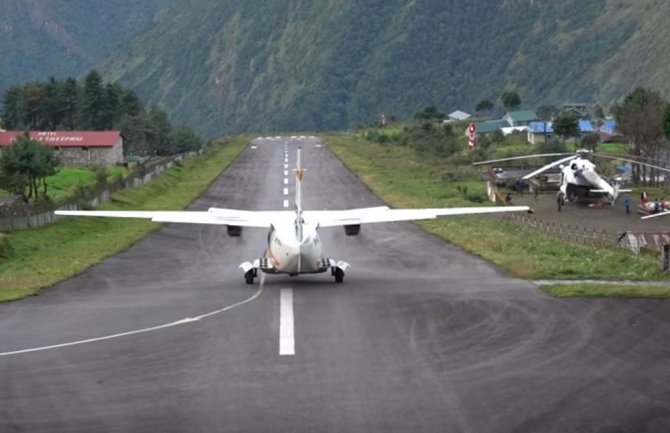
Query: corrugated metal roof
point(609, 126)
point(522, 116)
point(458, 115)
point(66, 138)
point(585, 126)
point(541, 127)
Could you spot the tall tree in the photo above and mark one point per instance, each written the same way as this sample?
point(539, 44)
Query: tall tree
point(184, 139)
point(51, 110)
point(25, 165)
point(640, 118)
point(34, 93)
point(566, 125)
point(69, 103)
point(130, 104)
point(111, 103)
point(666, 122)
point(510, 100)
point(14, 108)
point(484, 105)
point(159, 136)
point(92, 102)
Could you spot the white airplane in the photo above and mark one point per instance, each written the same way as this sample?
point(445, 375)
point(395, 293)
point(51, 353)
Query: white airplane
point(294, 246)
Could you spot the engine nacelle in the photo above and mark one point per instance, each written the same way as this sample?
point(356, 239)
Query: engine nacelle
point(352, 229)
point(234, 231)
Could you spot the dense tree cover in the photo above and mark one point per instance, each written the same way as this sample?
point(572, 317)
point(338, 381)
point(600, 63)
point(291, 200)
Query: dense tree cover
point(94, 106)
point(24, 167)
point(430, 113)
point(666, 122)
point(640, 118)
point(510, 100)
point(484, 105)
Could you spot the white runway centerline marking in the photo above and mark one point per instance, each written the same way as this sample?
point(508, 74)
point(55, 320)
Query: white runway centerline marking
point(285, 172)
point(285, 191)
point(285, 181)
point(286, 329)
point(285, 203)
point(285, 165)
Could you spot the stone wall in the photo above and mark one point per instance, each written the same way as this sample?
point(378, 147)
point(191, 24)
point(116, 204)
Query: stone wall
point(74, 156)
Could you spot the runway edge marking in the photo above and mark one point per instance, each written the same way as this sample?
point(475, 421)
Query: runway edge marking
point(143, 330)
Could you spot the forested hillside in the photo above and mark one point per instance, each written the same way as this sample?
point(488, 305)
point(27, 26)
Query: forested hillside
point(231, 65)
point(62, 38)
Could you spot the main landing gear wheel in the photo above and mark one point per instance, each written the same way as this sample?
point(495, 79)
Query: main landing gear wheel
point(249, 276)
point(339, 275)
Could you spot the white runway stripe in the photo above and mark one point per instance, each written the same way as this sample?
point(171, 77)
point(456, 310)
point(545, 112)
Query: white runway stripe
point(285, 181)
point(285, 203)
point(285, 191)
point(286, 329)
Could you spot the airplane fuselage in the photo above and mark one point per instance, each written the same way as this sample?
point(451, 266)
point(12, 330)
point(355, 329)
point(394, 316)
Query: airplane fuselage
point(289, 253)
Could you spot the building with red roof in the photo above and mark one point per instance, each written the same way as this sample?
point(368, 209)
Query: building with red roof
point(76, 147)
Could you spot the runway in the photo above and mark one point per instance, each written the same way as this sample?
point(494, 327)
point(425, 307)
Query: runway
point(422, 337)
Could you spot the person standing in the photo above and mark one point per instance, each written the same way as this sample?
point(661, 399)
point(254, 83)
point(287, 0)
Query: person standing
point(626, 204)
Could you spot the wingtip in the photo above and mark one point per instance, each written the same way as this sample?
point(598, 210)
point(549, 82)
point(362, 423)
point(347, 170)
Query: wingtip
point(530, 210)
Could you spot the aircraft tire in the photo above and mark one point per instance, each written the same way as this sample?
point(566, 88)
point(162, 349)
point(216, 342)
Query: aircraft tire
point(339, 275)
point(249, 276)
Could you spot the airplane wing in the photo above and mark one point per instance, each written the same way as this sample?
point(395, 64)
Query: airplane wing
point(265, 219)
point(214, 216)
point(384, 214)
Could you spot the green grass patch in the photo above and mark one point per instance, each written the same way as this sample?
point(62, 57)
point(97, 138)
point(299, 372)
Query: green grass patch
point(403, 179)
point(46, 255)
point(63, 184)
point(607, 291)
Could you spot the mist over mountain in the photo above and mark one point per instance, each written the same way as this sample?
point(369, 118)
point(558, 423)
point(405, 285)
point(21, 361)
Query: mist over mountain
point(234, 65)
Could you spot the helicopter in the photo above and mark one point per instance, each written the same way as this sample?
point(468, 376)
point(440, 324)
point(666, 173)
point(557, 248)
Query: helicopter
point(579, 180)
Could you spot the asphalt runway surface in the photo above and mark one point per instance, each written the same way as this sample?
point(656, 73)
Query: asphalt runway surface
point(420, 337)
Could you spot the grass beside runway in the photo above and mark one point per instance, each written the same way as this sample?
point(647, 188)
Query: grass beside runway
point(402, 179)
point(41, 257)
point(607, 290)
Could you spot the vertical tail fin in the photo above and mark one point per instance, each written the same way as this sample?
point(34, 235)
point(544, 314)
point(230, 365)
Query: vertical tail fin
point(299, 174)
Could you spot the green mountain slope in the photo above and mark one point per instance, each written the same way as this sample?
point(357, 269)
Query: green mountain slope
point(234, 65)
point(65, 37)
point(290, 64)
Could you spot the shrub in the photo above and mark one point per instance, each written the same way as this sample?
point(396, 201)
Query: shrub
point(6, 249)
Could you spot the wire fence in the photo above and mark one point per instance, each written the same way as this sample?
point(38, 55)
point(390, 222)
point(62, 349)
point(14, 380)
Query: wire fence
point(573, 233)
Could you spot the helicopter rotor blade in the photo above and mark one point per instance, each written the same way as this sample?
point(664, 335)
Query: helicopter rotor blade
point(633, 161)
point(548, 166)
point(513, 158)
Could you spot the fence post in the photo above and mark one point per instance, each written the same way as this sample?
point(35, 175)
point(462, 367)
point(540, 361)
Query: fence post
point(665, 260)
